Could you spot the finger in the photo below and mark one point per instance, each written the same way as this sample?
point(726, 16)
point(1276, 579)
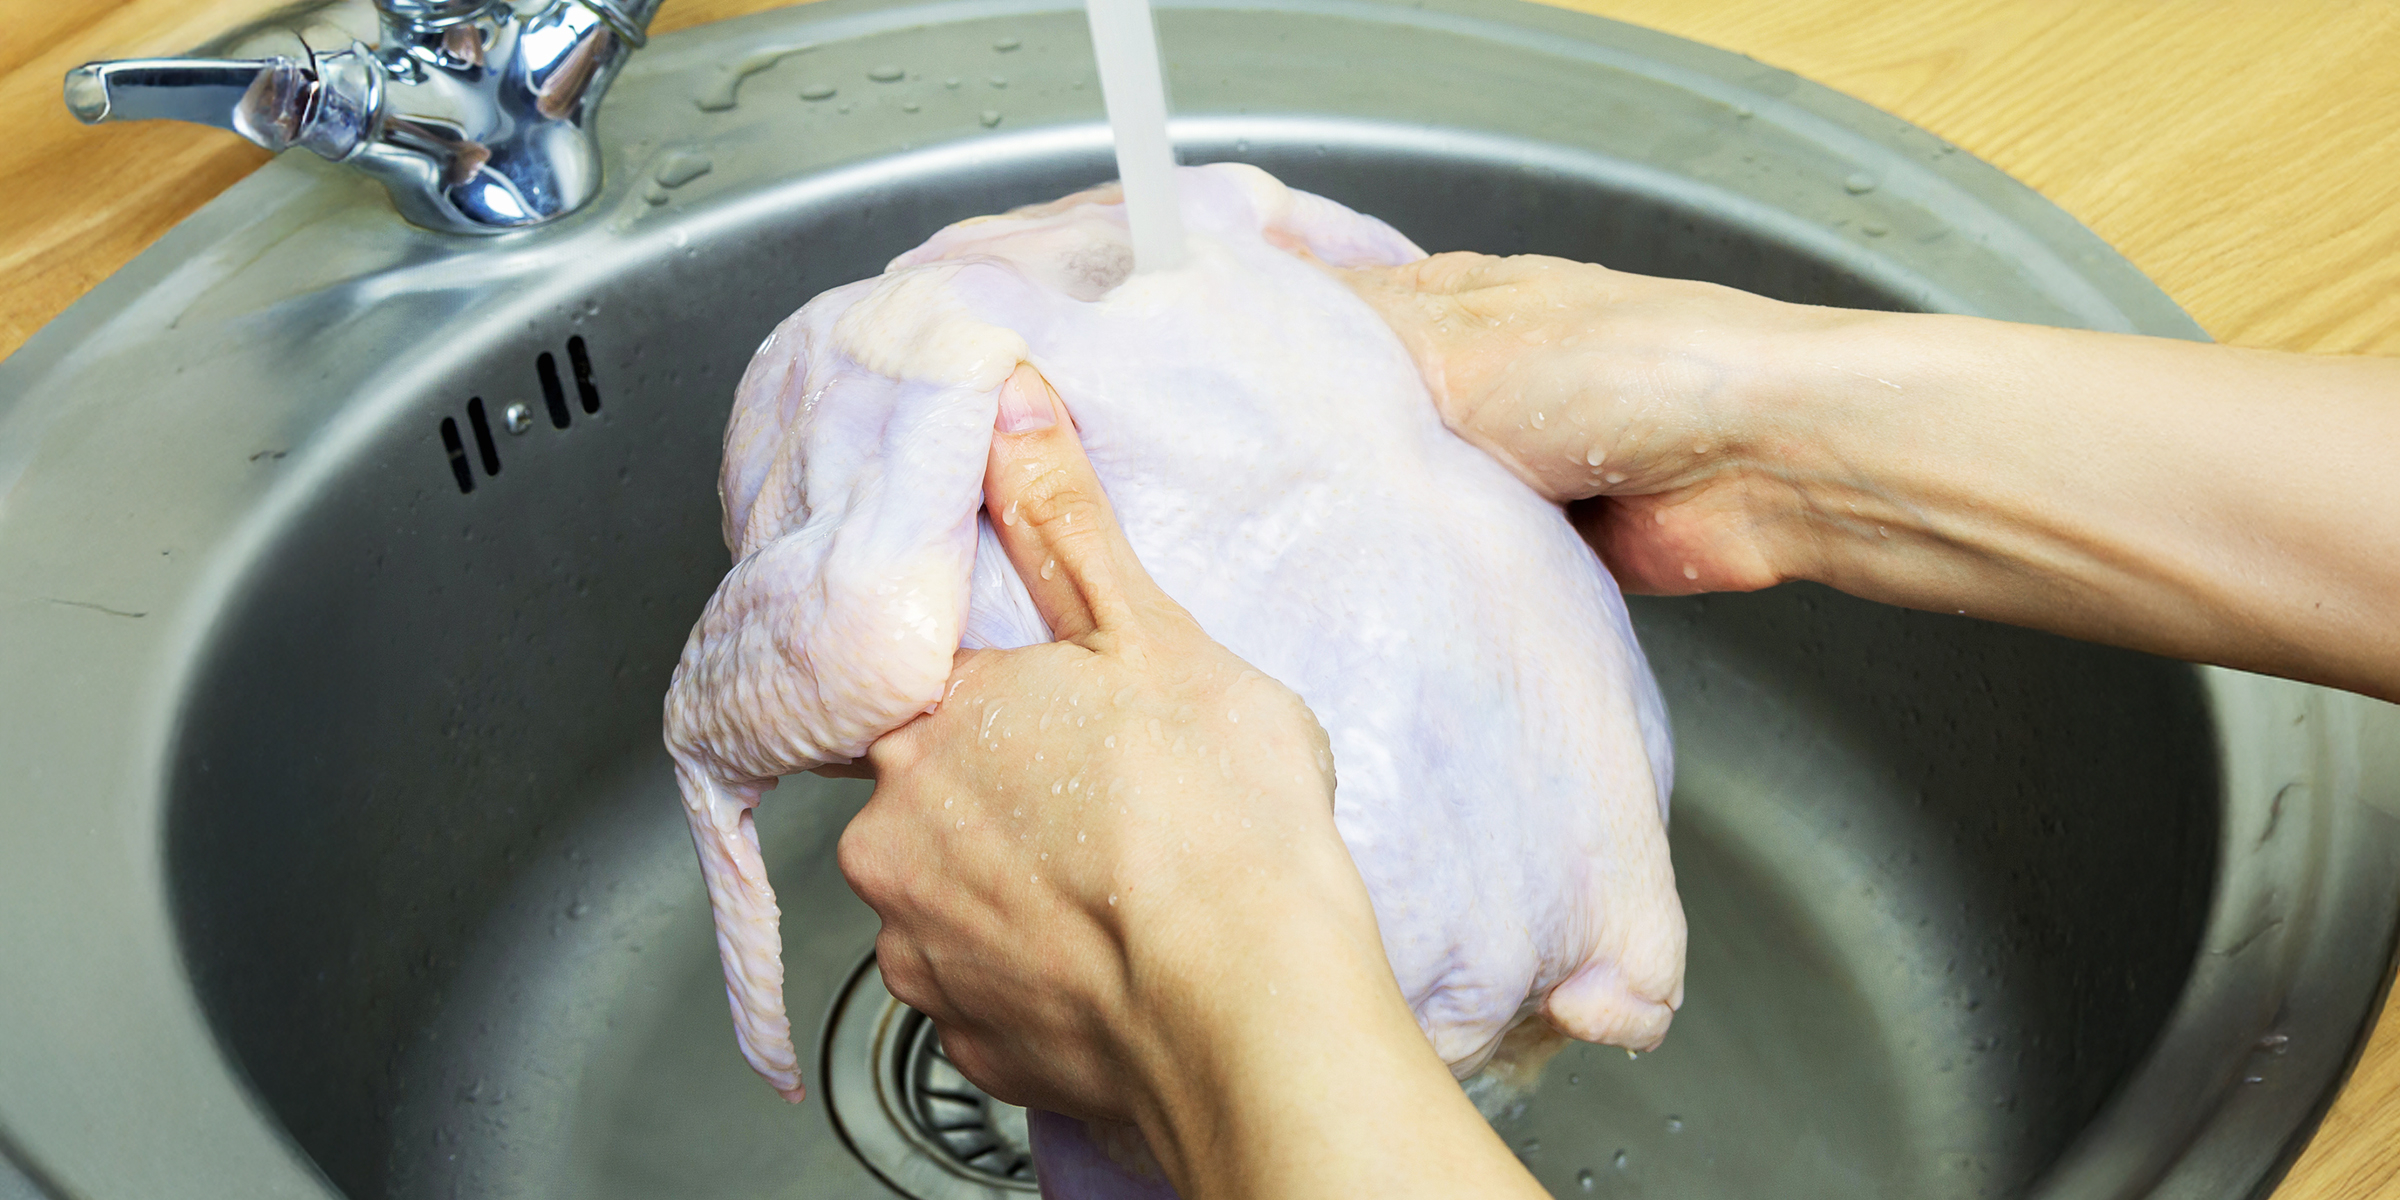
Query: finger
point(1053, 518)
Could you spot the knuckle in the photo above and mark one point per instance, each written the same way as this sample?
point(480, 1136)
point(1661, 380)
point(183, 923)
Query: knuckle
point(1059, 501)
point(981, 1064)
point(906, 974)
point(864, 859)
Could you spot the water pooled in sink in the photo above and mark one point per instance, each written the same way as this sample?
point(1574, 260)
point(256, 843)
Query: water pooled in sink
point(1126, 44)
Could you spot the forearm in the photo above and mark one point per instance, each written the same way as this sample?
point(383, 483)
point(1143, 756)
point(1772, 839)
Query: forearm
point(1298, 1071)
point(2230, 506)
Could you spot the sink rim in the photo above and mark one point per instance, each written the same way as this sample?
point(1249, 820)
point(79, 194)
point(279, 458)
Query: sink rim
point(38, 396)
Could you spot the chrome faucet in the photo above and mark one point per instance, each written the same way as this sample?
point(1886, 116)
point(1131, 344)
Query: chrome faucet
point(475, 114)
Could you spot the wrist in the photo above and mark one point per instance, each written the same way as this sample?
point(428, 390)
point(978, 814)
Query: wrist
point(1830, 409)
point(1247, 1018)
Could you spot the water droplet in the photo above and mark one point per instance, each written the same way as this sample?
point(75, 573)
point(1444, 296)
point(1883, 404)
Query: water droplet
point(1621, 1159)
point(1540, 420)
point(1859, 183)
point(886, 74)
point(1874, 229)
point(909, 106)
point(1532, 1146)
point(1008, 516)
point(681, 167)
point(576, 910)
point(1110, 742)
point(991, 117)
point(1574, 1080)
point(950, 82)
point(1689, 572)
point(1079, 835)
point(1006, 44)
point(725, 91)
point(1742, 111)
point(948, 803)
point(962, 822)
point(1112, 899)
point(1049, 568)
point(999, 81)
point(817, 91)
point(1615, 477)
point(1233, 715)
point(1595, 456)
point(1674, 1124)
point(843, 107)
point(2275, 1043)
point(1585, 1180)
point(1123, 695)
point(2254, 1079)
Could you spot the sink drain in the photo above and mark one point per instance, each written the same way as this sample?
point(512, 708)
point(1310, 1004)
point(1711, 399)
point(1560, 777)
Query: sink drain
point(905, 1109)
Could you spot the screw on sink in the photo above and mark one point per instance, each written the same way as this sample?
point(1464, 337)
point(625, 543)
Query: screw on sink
point(518, 418)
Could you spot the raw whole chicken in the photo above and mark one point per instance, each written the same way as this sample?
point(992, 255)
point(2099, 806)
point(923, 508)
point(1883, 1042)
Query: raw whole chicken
point(1279, 466)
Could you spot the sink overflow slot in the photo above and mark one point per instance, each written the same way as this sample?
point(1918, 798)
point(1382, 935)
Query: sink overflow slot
point(483, 437)
point(554, 397)
point(552, 394)
point(457, 450)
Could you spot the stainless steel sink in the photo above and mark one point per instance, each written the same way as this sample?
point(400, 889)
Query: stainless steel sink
point(343, 566)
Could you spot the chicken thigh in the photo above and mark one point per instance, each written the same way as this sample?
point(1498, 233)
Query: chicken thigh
point(1280, 468)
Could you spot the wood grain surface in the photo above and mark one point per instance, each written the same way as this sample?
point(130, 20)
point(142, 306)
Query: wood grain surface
point(2244, 153)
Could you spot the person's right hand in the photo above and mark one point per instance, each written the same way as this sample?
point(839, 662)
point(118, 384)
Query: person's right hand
point(1108, 870)
point(1589, 382)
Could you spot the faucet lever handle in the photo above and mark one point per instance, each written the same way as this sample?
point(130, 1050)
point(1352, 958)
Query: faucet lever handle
point(326, 103)
point(204, 91)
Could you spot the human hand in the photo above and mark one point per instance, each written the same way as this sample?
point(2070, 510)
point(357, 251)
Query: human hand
point(1587, 382)
point(1086, 847)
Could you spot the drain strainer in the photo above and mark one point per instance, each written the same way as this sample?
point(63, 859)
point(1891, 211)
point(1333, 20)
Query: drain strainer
point(905, 1109)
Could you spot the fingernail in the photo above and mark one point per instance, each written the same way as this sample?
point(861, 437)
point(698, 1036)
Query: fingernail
point(1025, 404)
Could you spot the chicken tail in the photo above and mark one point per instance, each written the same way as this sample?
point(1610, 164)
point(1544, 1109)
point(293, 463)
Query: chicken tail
point(749, 940)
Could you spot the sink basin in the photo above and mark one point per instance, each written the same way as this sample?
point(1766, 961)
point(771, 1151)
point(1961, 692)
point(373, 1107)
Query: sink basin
point(345, 565)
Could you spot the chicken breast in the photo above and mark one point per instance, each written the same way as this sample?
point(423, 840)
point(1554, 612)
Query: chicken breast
point(1279, 466)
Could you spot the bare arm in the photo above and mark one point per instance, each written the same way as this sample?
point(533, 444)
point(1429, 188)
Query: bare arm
point(2224, 505)
point(1105, 924)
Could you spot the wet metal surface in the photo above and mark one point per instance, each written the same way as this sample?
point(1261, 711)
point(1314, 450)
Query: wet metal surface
point(345, 565)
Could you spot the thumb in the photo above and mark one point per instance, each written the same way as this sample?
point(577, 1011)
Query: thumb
point(1053, 518)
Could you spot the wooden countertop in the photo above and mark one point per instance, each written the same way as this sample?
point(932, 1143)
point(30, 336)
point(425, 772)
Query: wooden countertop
point(2244, 153)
